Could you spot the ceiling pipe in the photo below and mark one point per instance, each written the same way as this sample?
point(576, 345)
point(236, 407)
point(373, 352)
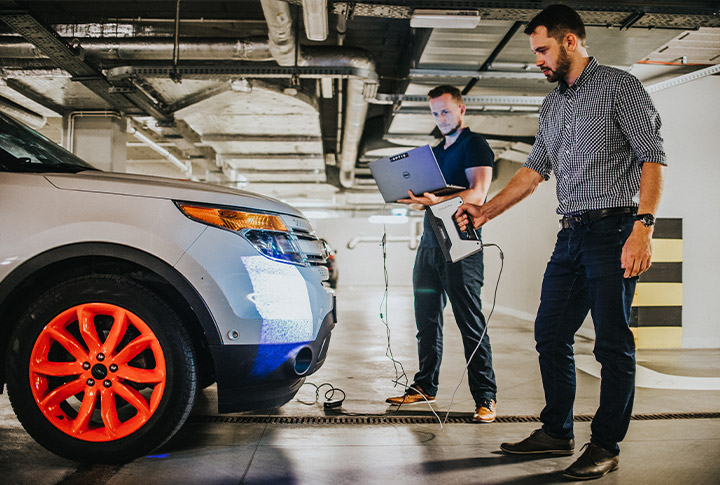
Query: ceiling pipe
point(279, 46)
point(139, 48)
point(185, 167)
point(280, 31)
point(282, 44)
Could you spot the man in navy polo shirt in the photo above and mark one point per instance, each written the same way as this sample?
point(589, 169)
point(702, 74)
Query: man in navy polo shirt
point(466, 160)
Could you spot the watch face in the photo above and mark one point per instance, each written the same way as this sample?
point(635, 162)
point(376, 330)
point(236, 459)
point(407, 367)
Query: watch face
point(647, 219)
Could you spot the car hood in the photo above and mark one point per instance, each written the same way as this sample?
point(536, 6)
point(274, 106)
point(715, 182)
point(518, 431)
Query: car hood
point(166, 188)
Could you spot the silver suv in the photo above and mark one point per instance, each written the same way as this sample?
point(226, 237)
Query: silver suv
point(122, 296)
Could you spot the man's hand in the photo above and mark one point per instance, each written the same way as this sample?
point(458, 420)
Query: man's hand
point(637, 251)
point(425, 200)
point(470, 214)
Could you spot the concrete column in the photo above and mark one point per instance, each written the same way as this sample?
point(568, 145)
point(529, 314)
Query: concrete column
point(99, 139)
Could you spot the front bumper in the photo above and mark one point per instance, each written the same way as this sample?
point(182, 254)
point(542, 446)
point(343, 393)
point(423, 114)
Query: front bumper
point(265, 376)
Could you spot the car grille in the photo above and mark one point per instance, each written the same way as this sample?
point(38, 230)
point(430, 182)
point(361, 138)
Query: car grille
point(312, 247)
point(307, 240)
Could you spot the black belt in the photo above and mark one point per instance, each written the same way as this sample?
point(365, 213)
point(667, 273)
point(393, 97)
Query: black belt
point(569, 222)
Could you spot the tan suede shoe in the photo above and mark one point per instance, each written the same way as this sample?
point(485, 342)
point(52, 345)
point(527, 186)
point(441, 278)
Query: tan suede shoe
point(486, 412)
point(411, 396)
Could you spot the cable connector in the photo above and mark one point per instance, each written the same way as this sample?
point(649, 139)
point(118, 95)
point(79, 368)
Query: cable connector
point(332, 404)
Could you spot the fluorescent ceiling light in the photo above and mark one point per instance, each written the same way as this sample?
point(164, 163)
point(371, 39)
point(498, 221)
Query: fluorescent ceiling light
point(445, 19)
point(315, 17)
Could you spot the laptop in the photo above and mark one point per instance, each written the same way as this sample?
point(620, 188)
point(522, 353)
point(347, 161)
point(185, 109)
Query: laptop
point(416, 170)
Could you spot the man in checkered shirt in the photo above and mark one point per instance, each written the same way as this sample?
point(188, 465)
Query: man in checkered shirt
point(599, 134)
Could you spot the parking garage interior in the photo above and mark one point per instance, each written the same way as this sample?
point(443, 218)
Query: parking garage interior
point(292, 100)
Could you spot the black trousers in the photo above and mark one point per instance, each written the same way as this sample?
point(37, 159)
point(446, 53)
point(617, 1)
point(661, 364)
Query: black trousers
point(434, 282)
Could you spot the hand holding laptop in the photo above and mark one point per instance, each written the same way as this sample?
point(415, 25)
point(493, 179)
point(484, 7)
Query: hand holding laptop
point(423, 200)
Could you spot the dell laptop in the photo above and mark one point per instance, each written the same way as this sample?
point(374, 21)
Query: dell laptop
point(416, 170)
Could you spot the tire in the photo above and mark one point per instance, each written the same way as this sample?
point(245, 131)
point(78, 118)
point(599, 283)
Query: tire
point(100, 369)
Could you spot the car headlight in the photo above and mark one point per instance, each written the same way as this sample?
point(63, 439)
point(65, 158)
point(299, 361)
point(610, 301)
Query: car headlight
point(266, 232)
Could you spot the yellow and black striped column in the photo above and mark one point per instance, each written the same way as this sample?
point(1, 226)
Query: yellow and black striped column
point(656, 315)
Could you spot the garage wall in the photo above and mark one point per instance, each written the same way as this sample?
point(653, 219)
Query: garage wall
point(691, 128)
point(526, 233)
point(363, 265)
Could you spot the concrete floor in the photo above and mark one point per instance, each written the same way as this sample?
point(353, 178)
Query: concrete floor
point(657, 450)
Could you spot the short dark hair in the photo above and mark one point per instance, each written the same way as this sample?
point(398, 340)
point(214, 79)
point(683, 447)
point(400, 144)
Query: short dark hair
point(446, 89)
point(559, 20)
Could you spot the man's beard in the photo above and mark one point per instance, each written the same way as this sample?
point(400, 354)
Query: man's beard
point(453, 131)
point(563, 66)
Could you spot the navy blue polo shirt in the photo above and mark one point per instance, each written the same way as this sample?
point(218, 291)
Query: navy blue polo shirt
point(469, 150)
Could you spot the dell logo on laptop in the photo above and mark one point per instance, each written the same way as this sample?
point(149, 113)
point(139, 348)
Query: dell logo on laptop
point(399, 157)
point(406, 175)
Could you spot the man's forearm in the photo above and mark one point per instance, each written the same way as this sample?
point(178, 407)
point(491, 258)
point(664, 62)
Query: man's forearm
point(523, 183)
point(651, 186)
point(636, 254)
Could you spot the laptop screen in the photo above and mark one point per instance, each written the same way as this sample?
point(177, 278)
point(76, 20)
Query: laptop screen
point(416, 170)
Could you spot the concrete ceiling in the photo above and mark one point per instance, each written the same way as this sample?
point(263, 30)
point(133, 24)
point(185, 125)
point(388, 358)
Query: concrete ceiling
point(236, 90)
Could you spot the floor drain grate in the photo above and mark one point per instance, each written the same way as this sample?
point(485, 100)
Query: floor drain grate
point(366, 419)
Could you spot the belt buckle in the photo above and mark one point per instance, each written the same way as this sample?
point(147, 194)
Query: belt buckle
point(571, 222)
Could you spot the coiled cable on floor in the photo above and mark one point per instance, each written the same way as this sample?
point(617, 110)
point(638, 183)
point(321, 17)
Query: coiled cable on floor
point(330, 400)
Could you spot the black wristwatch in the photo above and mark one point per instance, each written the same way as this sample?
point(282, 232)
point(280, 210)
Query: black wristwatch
point(647, 219)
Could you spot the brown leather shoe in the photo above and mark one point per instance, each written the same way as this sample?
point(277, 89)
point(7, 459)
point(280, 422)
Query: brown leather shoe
point(411, 396)
point(485, 413)
point(540, 442)
point(596, 462)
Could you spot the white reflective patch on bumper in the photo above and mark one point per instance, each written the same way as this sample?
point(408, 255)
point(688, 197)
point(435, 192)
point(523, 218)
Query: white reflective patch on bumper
point(282, 300)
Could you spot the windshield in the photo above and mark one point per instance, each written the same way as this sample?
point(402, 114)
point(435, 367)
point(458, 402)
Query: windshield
point(25, 150)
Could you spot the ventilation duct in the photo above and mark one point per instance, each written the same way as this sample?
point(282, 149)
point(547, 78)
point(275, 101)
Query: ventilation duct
point(282, 45)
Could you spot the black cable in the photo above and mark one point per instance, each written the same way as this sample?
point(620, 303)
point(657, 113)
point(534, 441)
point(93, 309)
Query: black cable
point(329, 394)
point(399, 374)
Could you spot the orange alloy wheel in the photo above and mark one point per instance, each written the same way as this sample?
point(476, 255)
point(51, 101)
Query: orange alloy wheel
point(97, 372)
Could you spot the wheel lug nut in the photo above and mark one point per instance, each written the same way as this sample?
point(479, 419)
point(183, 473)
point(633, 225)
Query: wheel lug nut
point(100, 357)
point(107, 383)
point(86, 365)
point(113, 368)
point(90, 382)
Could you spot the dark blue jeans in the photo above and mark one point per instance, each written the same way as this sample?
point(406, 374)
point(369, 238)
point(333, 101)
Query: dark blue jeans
point(434, 282)
point(584, 274)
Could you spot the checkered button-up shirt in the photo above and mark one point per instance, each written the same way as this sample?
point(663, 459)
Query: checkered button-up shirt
point(595, 135)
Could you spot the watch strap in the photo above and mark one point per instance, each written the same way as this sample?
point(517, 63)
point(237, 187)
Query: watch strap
point(646, 219)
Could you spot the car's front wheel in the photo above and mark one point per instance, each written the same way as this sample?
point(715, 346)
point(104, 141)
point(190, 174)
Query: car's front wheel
point(101, 369)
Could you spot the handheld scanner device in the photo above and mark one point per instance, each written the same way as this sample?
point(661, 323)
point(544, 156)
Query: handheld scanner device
point(455, 244)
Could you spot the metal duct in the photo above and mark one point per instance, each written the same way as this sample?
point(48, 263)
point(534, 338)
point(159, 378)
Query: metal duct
point(138, 48)
point(282, 45)
point(356, 106)
point(355, 112)
point(280, 31)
